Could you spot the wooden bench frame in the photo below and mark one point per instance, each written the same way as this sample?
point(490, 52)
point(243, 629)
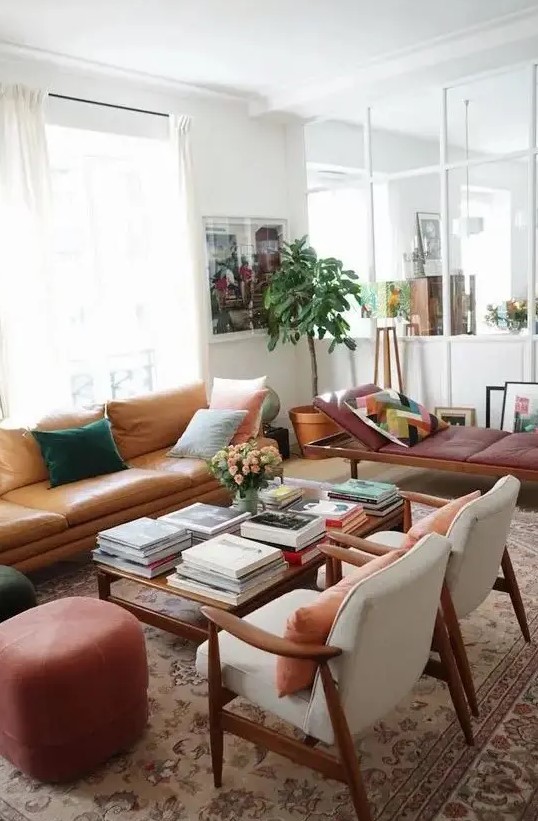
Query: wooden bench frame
point(347, 447)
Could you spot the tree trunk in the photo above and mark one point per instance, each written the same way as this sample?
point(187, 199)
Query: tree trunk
point(313, 366)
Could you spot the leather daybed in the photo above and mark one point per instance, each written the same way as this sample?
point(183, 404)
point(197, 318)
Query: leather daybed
point(483, 451)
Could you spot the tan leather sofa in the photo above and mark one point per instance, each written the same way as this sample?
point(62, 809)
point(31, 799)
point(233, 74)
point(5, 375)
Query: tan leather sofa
point(40, 525)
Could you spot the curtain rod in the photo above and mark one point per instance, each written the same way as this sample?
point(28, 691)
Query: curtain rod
point(109, 105)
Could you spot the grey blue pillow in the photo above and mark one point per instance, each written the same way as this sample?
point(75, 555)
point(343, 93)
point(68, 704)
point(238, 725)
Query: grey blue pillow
point(209, 431)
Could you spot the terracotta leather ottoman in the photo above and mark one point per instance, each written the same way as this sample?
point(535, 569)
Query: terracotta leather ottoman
point(73, 687)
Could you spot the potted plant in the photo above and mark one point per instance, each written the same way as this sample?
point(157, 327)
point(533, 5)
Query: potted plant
point(307, 297)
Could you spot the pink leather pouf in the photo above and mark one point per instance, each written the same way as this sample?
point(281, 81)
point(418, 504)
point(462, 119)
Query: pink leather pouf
point(73, 687)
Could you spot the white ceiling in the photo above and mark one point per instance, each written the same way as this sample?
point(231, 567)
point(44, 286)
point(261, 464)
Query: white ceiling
point(249, 46)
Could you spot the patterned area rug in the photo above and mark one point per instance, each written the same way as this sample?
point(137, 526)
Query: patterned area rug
point(416, 764)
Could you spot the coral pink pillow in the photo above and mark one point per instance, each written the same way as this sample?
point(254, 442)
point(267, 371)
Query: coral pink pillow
point(312, 624)
point(439, 521)
point(241, 399)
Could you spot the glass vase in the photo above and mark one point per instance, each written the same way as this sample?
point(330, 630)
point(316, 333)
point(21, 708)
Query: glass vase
point(248, 502)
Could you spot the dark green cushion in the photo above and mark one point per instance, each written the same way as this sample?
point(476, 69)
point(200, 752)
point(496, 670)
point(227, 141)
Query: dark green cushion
point(79, 453)
point(17, 593)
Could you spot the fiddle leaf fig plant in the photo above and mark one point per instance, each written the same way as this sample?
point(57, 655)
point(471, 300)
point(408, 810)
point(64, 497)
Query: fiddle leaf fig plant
point(308, 297)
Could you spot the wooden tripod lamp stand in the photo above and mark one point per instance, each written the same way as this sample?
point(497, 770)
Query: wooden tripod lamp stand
point(383, 338)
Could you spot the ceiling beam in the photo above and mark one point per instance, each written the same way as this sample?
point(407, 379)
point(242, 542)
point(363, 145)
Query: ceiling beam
point(370, 79)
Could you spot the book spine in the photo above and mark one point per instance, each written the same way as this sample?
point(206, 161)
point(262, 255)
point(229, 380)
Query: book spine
point(299, 558)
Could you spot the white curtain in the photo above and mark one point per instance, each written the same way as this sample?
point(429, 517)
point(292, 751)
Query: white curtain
point(193, 318)
point(29, 372)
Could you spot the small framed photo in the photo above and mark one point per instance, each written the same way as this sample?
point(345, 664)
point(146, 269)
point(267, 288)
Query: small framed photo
point(463, 417)
point(520, 407)
point(429, 235)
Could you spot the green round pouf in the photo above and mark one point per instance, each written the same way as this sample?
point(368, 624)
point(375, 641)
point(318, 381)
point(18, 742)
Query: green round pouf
point(17, 593)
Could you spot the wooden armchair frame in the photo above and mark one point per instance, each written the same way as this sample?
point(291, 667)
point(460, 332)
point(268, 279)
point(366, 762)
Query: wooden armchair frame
point(507, 583)
point(345, 767)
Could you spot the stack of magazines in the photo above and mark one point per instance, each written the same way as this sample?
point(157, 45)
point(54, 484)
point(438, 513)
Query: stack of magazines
point(228, 569)
point(297, 534)
point(279, 496)
point(377, 498)
point(206, 521)
point(339, 515)
point(144, 547)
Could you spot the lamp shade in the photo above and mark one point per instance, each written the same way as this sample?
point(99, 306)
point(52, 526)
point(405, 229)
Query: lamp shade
point(467, 226)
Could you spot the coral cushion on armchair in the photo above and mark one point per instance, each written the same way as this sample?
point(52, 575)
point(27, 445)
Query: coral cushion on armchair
point(439, 521)
point(312, 624)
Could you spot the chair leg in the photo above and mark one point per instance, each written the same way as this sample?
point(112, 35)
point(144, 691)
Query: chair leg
point(515, 596)
point(346, 748)
point(216, 734)
point(458, 648)
point(452, 678)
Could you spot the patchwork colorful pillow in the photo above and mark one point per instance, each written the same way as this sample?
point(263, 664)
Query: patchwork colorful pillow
point(400, 419)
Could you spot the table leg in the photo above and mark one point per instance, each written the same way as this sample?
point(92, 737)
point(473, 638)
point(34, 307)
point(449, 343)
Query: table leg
point(353, 468)
point(103, 585)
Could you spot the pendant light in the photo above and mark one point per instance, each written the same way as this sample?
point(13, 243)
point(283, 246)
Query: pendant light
point(467, 225)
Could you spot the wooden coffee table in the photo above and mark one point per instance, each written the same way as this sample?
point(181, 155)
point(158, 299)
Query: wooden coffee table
point(295, 576)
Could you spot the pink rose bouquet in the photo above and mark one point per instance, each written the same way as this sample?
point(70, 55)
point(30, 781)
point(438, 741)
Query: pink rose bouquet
point(247, 467)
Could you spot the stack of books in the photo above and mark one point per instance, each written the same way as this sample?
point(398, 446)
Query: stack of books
point(205, 521)
point(377, 498)
point(228, 569)
point(144, 547)
point(280, 496)
point(338, 515)
point(297, 534)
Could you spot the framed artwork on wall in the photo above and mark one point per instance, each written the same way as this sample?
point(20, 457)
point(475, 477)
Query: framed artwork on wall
point(463, 417)
point(241, 255)
point(520, 407)
point(494, 405)
point(429, 235)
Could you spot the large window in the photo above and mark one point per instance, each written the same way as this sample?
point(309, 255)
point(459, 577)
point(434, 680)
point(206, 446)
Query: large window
point(338, 227)
point(111, 260)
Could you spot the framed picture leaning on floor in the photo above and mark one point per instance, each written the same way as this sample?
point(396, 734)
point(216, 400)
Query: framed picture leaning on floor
point(463, 417)
point(520, 407)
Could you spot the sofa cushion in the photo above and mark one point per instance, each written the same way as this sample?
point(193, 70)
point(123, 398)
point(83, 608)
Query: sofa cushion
point(70, 418)
point(21, 462)
point(89, 499)
point(79, 453)
point(153, 421)
point(21, 525)
point(455, 443)
point(517, 450)
point(241, 394)
point(195, 470)
point(334, 406)
point(209, 431)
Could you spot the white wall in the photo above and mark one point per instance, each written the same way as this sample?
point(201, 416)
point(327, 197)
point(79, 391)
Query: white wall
point(244, 167)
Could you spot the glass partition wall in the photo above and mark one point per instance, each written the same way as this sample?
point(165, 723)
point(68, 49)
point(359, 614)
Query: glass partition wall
point(444, 207)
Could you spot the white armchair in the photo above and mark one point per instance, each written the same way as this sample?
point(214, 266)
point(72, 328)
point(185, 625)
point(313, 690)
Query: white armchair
point(478, 538)
point(378, 648)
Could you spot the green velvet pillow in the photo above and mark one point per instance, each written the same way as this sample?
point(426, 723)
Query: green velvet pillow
point(79, 453)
